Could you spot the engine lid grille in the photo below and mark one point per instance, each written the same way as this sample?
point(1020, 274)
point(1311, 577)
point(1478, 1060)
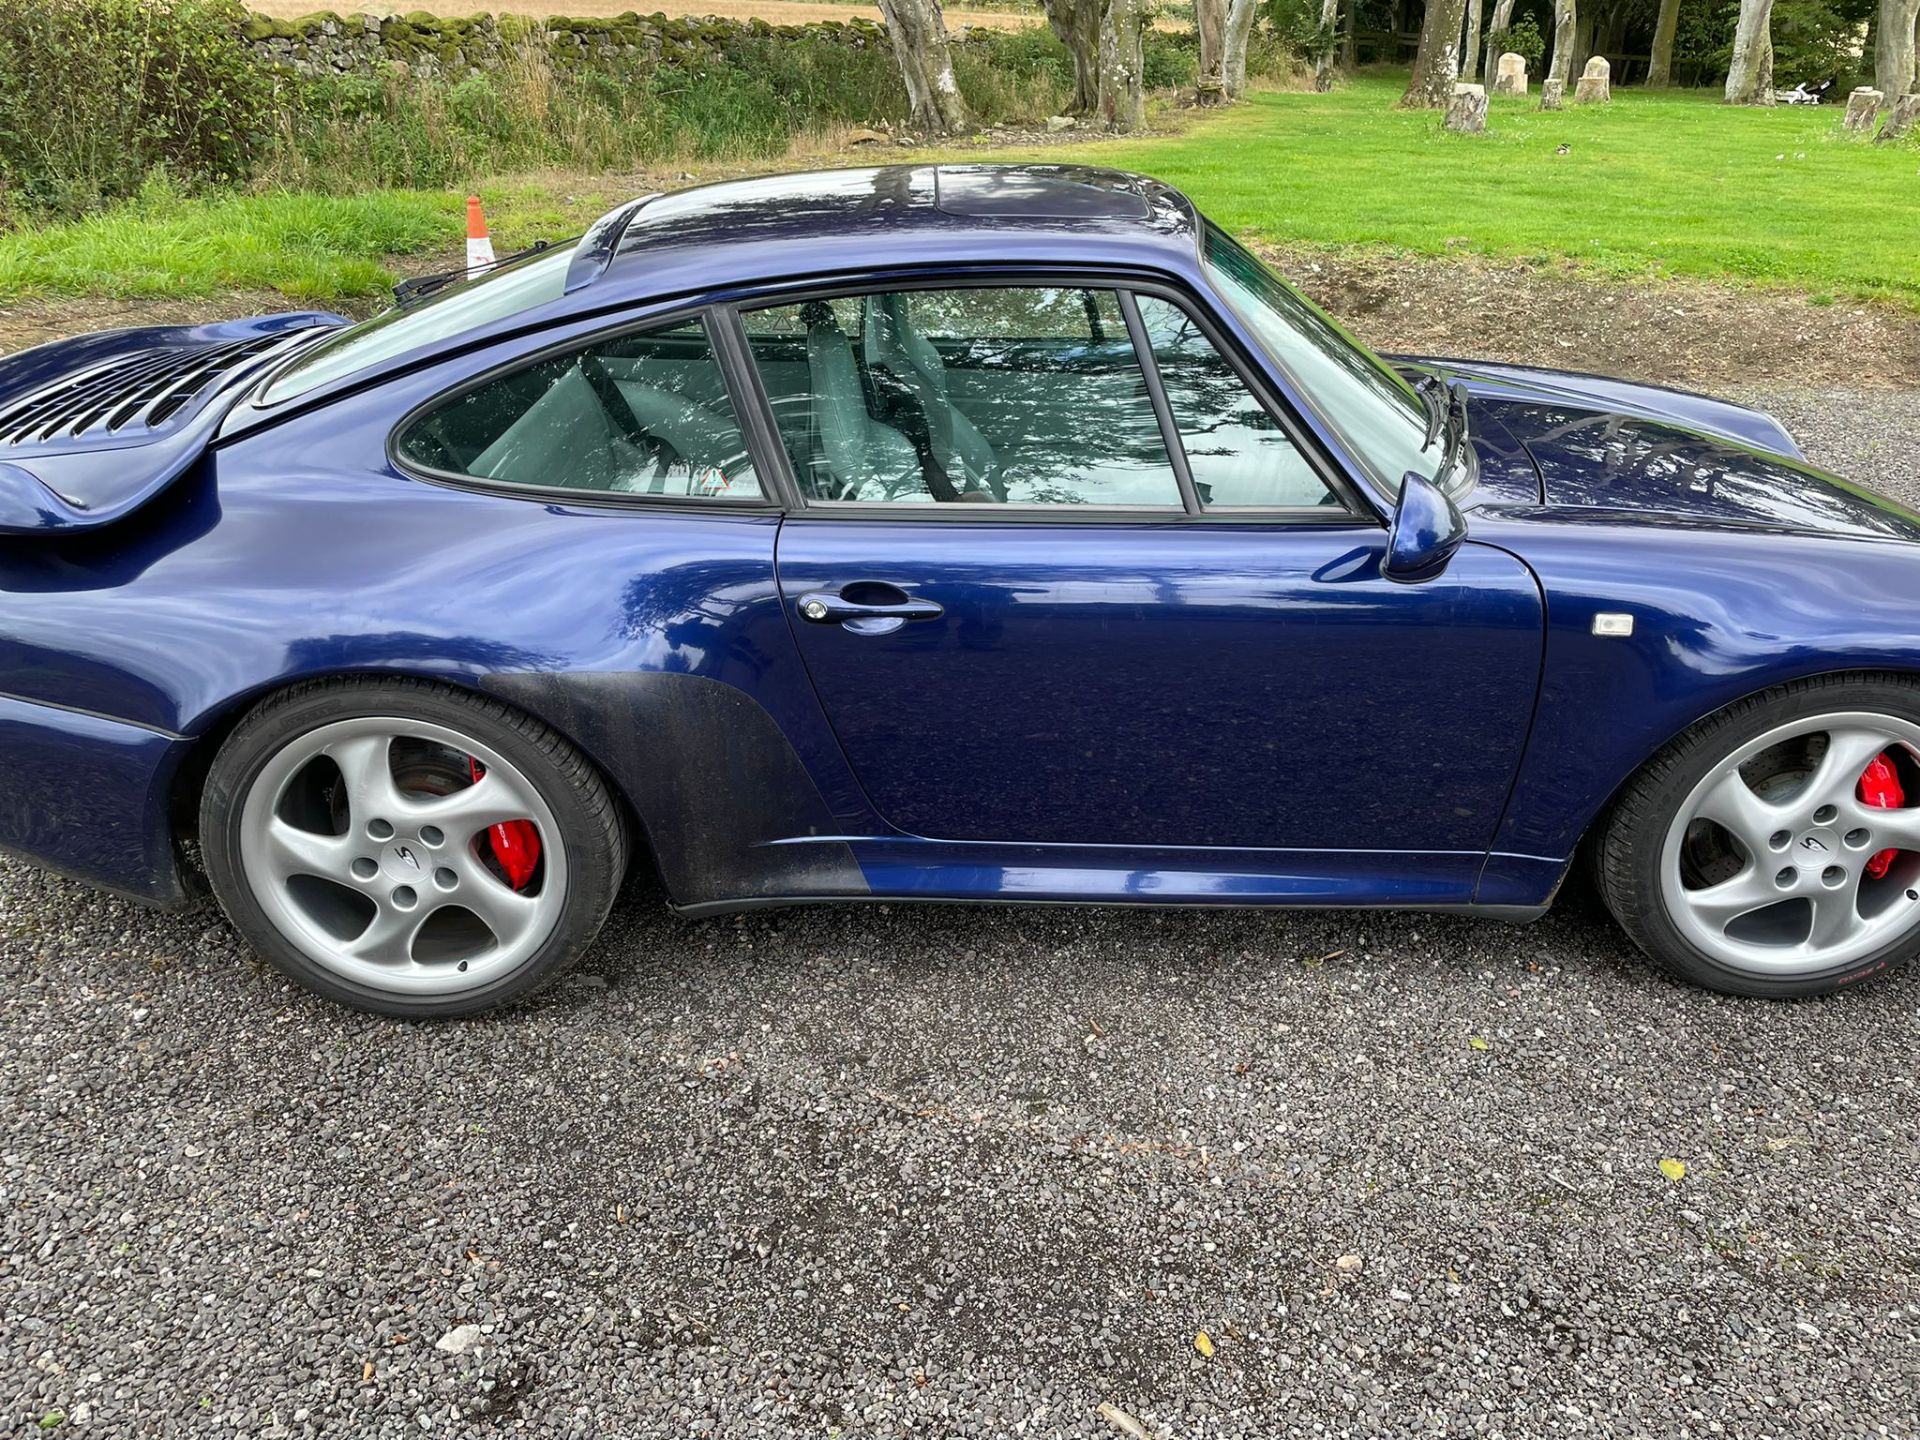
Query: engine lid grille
point(129, 394)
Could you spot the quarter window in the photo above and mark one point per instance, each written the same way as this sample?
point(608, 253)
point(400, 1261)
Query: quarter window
point(644, 414)
point(1015, 395)
point(1236, 450)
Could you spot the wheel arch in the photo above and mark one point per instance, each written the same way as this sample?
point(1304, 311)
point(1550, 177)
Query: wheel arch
point(189, 780)
point(1596, 823)
point(708, 784)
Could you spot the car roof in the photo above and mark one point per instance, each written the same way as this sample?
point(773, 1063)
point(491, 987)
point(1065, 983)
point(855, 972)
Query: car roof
point(824, 223)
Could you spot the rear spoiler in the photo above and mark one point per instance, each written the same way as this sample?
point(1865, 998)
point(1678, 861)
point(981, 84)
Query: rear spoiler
point(93, 428)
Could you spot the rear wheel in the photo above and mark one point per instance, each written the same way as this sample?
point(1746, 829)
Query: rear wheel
point(409, 849)
point(1775, 848)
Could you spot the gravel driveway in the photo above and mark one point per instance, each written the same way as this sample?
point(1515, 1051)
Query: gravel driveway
point(889, 1171)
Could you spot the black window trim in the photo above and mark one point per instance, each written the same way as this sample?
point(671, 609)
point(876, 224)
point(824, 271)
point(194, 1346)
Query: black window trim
point(775, 490)
point(1352, 507)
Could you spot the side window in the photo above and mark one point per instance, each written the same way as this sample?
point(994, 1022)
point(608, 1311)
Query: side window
point(1015, 395)
point(1236, 450)
point(644, 414)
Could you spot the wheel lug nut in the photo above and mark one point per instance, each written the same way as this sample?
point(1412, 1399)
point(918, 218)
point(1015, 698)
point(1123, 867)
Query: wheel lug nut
point(1833, 875)
point(380, 829)
point(404, 897)
point(430, 835)
point(1824, 815)
point(365, 869)
point(1785, 878)
point(445, 878)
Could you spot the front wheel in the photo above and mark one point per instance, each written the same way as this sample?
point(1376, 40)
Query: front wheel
point(409, 849)
point(1774, 849)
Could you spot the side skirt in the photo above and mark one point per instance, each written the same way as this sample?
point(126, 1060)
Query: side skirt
point(1509, 914)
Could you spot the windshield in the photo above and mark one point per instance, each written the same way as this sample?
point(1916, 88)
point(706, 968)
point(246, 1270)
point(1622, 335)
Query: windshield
point(449, 312)
point(1379, 416)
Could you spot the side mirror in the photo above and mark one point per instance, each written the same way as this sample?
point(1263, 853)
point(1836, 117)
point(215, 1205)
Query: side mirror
point(1427, 528)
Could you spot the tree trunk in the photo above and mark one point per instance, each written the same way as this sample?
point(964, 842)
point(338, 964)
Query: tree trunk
point(1240, 17)
point(919, 35)
point(1123, 98)
point(1471, 52)
point(1660, 67)
point(1323, 49)
point(1436, 65)
point(1497, 29)
point(1210, 24)
point(1582, 41)
point(1750, 78)
point(1565, 19)
point(1077, 23)
point(1893, 50)
point(1350, 38)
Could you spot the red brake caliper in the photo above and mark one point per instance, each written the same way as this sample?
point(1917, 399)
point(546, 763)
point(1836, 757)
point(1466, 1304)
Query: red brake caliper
point(516, 843)
point(1880, 787)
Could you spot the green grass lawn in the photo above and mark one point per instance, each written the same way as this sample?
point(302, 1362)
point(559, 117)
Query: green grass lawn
point(1650, 185)
point(1672, 184)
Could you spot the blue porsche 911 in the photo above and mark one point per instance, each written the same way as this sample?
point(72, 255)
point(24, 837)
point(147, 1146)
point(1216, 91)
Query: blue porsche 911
point(930, 532)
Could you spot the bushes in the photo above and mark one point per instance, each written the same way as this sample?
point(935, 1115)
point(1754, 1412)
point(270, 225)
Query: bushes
point(94, 94)
point(98, 95)
point(415, 128)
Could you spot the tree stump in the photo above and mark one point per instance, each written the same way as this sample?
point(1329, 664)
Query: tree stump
point(1901, 117)
point(1511, 78)
point(1863, 108)
point(1467, 109)
point(1553, 94)
point(1596, 83)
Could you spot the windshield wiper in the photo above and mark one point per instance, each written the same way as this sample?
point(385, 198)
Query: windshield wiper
point(1446, 402)
point(1430, 390)
point(409, 293)
point(1457, 417)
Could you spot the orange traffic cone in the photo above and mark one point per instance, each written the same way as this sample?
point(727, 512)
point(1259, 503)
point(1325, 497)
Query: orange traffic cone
point(479, 245)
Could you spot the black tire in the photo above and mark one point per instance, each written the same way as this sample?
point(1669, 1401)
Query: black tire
point(1627, 857)
point(586, 813)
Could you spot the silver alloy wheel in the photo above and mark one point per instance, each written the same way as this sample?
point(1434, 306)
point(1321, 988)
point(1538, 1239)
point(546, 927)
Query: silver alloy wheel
point(395, 894)
point(1801, 900)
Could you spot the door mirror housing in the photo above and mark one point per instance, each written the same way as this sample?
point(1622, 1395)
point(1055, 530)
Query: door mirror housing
point(1427, 528)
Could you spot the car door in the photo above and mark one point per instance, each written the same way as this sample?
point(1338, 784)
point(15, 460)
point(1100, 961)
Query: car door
point(1109, 598)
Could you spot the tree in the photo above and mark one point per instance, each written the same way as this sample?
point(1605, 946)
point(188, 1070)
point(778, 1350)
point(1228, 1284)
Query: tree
point(1893, 51)
point(1436, 65)
point(1750, 75)
point(1470, 53)
point(1210, 25)
point(1077, 23)
point(1497, 29)
point(1326, 43)
point(919, 34)
point(1123, 97)
point(1660, 67)
point(1240, 18)
point(1566, 21)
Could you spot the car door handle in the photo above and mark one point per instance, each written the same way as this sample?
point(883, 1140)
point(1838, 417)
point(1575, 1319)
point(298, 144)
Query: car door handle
point(885, 609)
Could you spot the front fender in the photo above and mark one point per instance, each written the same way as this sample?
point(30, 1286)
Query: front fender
point(1717, 615)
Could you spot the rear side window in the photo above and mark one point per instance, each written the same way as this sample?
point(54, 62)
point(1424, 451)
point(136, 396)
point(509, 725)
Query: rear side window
point(1005, 395)
point(644, 414)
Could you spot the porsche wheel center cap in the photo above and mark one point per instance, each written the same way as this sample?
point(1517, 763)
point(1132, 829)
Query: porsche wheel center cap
point(404, 862)
point(1816, 849)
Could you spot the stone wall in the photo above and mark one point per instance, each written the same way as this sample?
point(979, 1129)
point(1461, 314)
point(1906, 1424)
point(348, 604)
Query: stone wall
point(340, 44)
